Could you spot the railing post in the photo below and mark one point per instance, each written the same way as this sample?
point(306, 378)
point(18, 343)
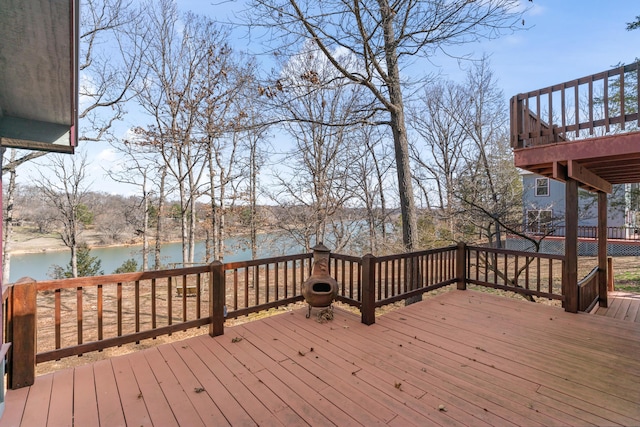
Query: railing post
point(22, 369)
point(368, 309)
point(461, 266)
point(217, 298)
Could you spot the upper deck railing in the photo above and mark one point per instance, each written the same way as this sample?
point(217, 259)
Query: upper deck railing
point(597, 105)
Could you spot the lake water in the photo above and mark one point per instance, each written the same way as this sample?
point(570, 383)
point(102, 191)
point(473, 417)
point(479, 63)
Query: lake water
point(38, 265)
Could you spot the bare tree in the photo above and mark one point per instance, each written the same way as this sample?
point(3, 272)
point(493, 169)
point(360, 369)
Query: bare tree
point(178, 63)
point(65, 190)
point(140, 169)
point(371, 167)
point(313, 180)
point(111, 46)
point(384, 37)
point(225, 121)
point(438, 153)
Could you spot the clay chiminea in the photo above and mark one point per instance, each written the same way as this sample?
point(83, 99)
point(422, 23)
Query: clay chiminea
point(320, 289)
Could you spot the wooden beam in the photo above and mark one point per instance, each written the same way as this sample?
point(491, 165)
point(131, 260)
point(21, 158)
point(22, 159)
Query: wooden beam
point(560, 172)
point(592, 148)
point(585, 176)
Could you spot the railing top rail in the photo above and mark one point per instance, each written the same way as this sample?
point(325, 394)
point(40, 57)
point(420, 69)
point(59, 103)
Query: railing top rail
point(119, 278)
point(519, 253)
point(263, 261)
point(589, 276)
point(350, 258)
point(417, 253)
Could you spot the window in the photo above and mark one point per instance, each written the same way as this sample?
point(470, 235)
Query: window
point(539, 221)
point(542, 186)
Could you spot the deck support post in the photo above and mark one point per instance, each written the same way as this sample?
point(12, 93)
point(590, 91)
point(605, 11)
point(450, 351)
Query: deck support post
point(570, 274)
point(461, 266)
point(602, 249)
point(217, 299)
point(22, 367)
point(368, 307)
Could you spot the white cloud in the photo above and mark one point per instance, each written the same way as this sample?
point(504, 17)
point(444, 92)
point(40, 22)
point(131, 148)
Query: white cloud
point(108, 155)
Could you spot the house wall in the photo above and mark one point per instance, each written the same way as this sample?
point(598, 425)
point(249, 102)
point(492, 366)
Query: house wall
point(587, 203)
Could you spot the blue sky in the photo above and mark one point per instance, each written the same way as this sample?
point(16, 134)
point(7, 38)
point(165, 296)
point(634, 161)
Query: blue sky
point(565, 40)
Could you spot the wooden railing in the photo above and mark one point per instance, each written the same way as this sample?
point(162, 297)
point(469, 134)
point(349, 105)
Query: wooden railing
point(59, 318)
point(588, 291)
point(525, 273)
point(261, 284)
point(589, 232)
point(593, 105)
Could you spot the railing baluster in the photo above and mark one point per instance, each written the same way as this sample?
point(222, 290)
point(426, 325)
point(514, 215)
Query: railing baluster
point(266, 282)
point(295, 281)
point(100, 312)
point(119, 304)
point(577, 108)
point(154, 298)
point(527, 263)
point(591, 105)
point(169, 302)
point(352, 265)
point(79, 312)
point(637, 65)
point(246, 288)
point(550, 275)
point(606, 103)
point(564, 110)
point(622, 99)
point(137, 306)
point(277, 280)
point(184, 297)
point(342, 283)
point(256, 284)
point(198, 295)
point(57, 315)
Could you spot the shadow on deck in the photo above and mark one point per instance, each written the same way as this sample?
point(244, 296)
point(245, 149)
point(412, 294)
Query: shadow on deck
point(461, 358)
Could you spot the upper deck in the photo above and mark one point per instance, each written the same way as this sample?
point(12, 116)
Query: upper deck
point(587, 129)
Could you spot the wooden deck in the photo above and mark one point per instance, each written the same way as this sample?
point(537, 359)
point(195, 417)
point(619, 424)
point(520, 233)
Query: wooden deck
point(461, 358)
point(623, 306)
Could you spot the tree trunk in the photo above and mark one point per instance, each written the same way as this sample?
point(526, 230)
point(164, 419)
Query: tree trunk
point(159, 228)
point(253, 196)
point(399, 130)
point(8, 225)
point(145, 227)
point(401, 148)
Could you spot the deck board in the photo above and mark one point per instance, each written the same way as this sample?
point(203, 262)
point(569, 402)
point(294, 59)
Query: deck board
point(623, 306)
point(462, 358)
point(85, 401)
point(61, 404)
